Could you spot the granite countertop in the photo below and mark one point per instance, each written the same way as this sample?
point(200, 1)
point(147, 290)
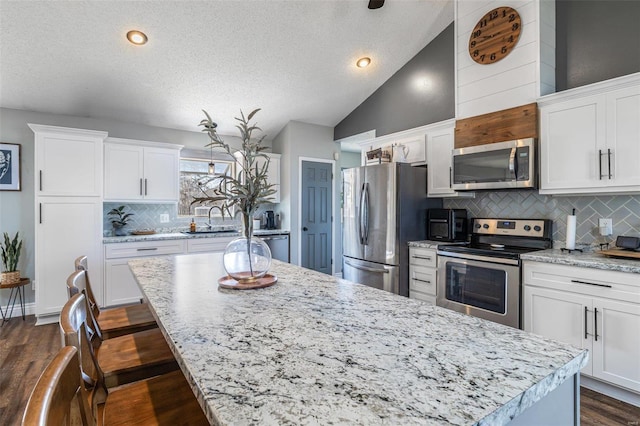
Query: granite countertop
point(181, 236)
point(430, 244)
point(315, 349)
point(588, 259)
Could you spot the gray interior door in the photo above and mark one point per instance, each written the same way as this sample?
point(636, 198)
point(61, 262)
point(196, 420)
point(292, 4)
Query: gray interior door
point(317, 196)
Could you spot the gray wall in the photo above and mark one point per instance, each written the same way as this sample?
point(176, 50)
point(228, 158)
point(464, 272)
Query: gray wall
point(17, 208)
point(595, 41)
point(295, 141)
point(403, 102)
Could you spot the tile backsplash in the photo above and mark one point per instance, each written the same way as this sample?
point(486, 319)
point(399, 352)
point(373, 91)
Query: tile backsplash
point(147, 216)
point(623, 209)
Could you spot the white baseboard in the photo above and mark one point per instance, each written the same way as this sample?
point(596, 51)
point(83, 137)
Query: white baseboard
point(338, 275)
point(610, 390)
point(47, 319)
point(29, 309)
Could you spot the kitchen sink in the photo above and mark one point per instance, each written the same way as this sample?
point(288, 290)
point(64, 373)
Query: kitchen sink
point(211, 231)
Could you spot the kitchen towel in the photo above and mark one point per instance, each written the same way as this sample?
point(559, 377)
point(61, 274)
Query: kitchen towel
point(571, 232)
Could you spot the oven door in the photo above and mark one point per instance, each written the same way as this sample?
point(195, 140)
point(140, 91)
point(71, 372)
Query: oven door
point(480, 288)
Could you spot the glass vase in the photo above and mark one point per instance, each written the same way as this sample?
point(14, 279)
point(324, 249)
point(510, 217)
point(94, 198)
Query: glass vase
point(247, 259)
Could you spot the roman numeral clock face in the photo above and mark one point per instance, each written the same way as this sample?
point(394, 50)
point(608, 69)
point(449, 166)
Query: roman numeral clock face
point(495, 35)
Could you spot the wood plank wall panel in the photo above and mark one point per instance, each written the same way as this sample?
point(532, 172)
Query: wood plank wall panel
point(509, 124)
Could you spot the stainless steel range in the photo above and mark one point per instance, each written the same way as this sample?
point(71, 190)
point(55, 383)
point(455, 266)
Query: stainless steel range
point(483, 277)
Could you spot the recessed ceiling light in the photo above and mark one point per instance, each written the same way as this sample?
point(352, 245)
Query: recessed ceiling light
point(363, 62)
point(137, 37)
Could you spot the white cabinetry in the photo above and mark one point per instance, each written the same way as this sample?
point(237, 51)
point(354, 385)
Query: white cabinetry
point(589, 138)
point(422, 274)
point(68, 211)
point(440, 138)
point(120, 287)
point(209, 245)
point(593, 309)
point(141, 171)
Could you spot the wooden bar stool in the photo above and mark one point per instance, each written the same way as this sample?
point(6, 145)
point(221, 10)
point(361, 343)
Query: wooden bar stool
point(114, 322)
point(123, 359)
point(162, 400)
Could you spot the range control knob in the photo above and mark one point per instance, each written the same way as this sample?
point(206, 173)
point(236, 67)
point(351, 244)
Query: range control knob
point(527, 228)
point(485, 226)
point(537, 228)
point(477, 225)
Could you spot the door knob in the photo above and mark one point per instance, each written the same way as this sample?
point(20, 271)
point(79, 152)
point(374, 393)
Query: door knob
point(305, 228)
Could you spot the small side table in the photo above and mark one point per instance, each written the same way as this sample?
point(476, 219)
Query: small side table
point(17, 290)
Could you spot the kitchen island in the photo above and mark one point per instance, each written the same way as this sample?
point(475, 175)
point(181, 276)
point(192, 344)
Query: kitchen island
point(314, 349)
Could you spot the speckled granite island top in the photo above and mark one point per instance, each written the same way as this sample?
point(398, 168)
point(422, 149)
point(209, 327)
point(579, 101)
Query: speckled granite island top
point(314, 349)
point(592, 259)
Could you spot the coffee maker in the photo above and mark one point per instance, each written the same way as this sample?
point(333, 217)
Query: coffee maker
point(269, 220)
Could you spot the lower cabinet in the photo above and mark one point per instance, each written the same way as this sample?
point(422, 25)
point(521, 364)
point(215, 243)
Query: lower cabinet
point(592, 309)
point(119, 285)
point(422, 274)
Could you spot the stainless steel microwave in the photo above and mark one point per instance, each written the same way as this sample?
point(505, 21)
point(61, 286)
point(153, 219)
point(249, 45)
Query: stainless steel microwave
point(502, 165)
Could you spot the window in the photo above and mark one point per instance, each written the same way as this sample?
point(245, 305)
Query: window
point(195, 180)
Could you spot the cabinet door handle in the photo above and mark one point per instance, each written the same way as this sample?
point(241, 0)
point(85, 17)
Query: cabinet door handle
point(586, 310)
point(140, 186)
point(588, 283)
point(421, 257)
point(422, 281)
point(40, 211)
point(609, 162)
point(148, 249)
point(595, 322)
point(450, 177)
point(600, 164)
point(145, 187)
point(40, 179)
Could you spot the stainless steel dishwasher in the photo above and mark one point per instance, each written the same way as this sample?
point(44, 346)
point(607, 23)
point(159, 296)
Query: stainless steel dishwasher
point(279, 246)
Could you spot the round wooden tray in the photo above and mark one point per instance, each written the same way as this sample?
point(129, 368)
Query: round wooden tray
point(266, 281)
point(143, 232)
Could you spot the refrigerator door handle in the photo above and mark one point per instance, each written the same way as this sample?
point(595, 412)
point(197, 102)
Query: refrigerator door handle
point(366, 268)
point(365, 208)
point(360, 214)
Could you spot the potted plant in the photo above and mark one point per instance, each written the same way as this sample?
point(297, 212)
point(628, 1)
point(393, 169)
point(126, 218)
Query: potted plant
point(119, 220)
point(246, 259)
point(10, 252)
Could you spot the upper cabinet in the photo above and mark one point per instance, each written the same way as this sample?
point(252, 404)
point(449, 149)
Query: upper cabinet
point(407, 146)
point(590, 138)
point(141, 171)
point(68, 162)
point(440, 138)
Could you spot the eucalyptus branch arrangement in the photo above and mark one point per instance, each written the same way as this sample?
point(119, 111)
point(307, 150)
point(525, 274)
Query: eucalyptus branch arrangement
point(10, 252)
point(246, 191)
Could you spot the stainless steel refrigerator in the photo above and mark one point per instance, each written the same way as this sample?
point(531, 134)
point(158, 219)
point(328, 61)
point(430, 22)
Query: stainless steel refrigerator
point(384, 208)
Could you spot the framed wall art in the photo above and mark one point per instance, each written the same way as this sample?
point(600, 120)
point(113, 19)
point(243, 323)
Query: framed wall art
point(9, 167)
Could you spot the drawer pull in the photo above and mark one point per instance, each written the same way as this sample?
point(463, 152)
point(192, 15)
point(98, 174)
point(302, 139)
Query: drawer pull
point(595, 322)
point(422, 281)
point(148, 249)
point(588, 283)
point(421, 257)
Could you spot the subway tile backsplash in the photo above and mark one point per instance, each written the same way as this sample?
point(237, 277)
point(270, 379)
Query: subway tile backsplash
point(623, 209)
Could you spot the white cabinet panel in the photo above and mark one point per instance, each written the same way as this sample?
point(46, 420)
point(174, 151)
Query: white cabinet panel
point(121, 287)
point(65, 229)
point(68, 162)
point(422, 274)
point(208, 245)
point(141, 171)
point(589, 139)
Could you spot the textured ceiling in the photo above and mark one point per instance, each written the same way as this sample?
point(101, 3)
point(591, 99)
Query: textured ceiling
point(293, 59)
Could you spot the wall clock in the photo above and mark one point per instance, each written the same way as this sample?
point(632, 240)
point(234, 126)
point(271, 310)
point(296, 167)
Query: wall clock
point(495, 35)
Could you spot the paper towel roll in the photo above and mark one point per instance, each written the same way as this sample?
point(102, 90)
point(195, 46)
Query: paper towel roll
point(571, 232)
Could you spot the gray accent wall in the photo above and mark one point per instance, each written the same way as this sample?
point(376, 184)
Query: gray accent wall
point(595, 41)
point(420, 93)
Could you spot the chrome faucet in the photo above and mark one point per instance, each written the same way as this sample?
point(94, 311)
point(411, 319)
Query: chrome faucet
point(209, 226)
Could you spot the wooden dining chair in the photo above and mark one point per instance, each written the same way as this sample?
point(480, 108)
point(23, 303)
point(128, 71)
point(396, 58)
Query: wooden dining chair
point(165, 399)
point(59, 397)
point(123, 359)
point(118, 321)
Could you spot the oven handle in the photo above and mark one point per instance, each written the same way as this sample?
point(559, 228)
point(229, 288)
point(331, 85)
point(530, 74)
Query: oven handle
point(465, 256)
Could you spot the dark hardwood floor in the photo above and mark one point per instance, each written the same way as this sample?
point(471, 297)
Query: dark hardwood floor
point(25, 350)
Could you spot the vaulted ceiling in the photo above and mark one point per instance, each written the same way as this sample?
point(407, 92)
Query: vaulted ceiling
point(294, 59)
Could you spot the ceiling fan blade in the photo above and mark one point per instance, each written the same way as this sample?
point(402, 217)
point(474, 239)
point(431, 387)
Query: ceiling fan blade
point(376, 4)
